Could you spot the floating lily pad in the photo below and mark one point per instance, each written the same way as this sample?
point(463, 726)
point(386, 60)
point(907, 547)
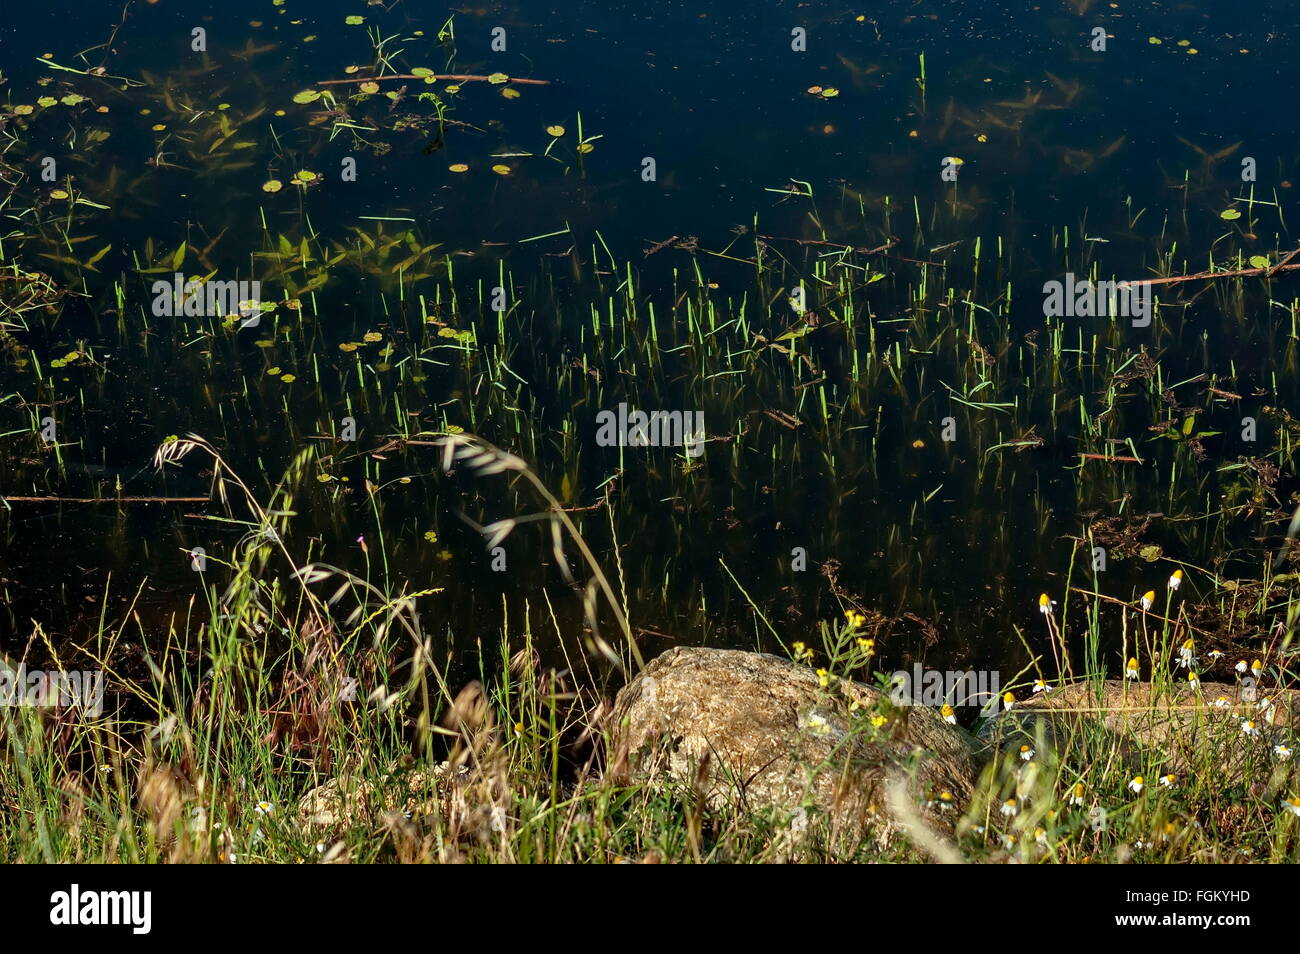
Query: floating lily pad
point(496, 79)
point(556, 131)
point(354, 20)
point(422, 71)
point(58, 194)
point(307, 96)
point(306, 175)
point(72, 99)
point(272, 185)
point(1259, 261)
point(585, 148)
point(370, 87)
point(1230, 215)
point(501, 169)
point(24, 110)
point(830, 92)
point(1154, 40)
point(458, 167)
point(511, 93)
point(47, 102)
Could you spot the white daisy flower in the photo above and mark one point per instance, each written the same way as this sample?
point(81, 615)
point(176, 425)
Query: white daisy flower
point(1136, 785)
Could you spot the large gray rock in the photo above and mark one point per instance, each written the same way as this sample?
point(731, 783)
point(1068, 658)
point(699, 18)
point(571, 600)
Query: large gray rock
point(761, 732)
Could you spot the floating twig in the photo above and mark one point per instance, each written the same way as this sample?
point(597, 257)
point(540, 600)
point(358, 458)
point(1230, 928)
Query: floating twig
point(1267, 271)
point(456, 77)
point(7, 499)
point(1115, 457)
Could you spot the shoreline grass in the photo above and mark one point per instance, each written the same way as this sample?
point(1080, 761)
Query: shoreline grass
point(296, 677)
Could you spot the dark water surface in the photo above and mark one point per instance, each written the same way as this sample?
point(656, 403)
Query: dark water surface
point(1119, 163)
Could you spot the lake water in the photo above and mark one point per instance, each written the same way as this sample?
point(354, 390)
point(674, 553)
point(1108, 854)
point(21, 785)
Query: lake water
point(906, 440)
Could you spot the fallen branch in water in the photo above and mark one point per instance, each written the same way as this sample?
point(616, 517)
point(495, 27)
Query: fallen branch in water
point(1267, 271)
point(1117, 457)
point(455, 77)
point(7, 499)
